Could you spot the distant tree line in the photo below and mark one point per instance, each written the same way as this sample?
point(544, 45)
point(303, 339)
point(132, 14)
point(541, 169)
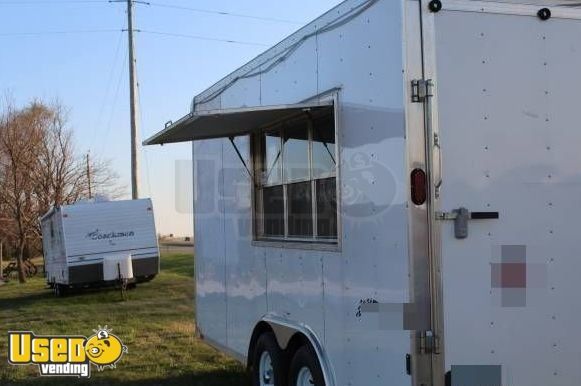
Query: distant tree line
point(40, 168)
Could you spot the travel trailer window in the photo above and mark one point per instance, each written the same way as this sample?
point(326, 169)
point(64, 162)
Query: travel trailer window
point(296, 197)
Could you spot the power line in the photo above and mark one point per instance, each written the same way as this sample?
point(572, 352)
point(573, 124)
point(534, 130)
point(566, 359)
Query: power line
point(159, 5)
point(224, 13)
point(114, 106)
point(172, 34)
point(144, 151)
point(109, 85)
point(64, 32)
point(202, 38)
point(51, 2)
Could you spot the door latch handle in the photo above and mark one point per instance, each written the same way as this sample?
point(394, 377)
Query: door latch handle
point(484, 215)
point(461, 216)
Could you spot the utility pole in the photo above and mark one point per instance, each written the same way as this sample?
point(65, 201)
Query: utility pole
point(133, 93)
point(89, 174)
point(133, 106)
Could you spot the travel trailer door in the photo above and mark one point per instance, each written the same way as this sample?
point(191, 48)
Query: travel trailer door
point(506, 166)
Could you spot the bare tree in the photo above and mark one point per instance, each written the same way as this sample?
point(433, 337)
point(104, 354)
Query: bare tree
point(20, 138)
point(61, 173)
point(39, 169)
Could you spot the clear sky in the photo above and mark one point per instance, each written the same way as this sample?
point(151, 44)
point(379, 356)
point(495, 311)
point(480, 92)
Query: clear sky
point(75, 51)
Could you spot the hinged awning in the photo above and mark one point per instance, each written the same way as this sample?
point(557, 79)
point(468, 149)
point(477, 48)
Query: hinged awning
point(230, 122)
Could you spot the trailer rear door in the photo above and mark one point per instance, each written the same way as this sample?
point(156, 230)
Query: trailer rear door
point(507, 110)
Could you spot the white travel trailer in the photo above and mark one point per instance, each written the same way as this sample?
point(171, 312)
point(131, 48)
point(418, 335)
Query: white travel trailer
point(390, 196)
point(91, 244)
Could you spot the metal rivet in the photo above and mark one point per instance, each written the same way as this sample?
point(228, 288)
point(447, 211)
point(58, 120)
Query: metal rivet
point(544, 14)
point(435, 6)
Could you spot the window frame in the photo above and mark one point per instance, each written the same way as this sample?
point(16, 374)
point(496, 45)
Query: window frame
point(258, 151)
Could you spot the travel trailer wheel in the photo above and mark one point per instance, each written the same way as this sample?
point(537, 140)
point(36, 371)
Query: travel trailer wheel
point(268, 362)
point(305, 369)
point(59, 290)
point(145, 279)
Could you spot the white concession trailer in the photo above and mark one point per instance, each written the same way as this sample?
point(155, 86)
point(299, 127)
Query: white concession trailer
point(96, 243)
point(392, 196)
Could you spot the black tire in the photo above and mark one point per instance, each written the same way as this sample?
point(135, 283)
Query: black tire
point(145, 279)
point(306, 357)
point(60, 290)
point(267, 343)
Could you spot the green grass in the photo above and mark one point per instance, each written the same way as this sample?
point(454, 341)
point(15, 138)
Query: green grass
point(156, 323)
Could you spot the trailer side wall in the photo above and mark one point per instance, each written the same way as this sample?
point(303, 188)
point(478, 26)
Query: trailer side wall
point(238, 281)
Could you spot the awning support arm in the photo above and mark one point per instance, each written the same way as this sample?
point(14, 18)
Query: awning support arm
point(241, 158)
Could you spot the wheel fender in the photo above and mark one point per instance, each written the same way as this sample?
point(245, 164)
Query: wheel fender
point(284, 330)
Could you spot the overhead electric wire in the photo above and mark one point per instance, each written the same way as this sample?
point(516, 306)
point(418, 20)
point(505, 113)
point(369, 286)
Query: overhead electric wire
point(144, 150)
point(159, 5)
point(109, 85)
point(201, 37)
point(223, 13)
point(51, 2)
point(161, 33)
point(64, 32)
point(113, 107)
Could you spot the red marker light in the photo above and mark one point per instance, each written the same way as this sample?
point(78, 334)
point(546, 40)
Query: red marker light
point(418, 186)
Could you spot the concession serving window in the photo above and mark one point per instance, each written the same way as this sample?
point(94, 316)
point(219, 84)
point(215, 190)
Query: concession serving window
point(294, 164)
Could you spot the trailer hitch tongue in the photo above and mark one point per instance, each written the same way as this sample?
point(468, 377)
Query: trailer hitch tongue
point(461, 216)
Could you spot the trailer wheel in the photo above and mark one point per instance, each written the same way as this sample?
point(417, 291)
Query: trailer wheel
point(268, 362)
point(59, 290)
point(305, 369)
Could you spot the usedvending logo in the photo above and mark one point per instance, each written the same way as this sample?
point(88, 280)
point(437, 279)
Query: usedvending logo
point(69, 355)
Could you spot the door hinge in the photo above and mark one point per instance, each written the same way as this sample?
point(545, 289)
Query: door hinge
point(421, 90)
point(429, 343)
